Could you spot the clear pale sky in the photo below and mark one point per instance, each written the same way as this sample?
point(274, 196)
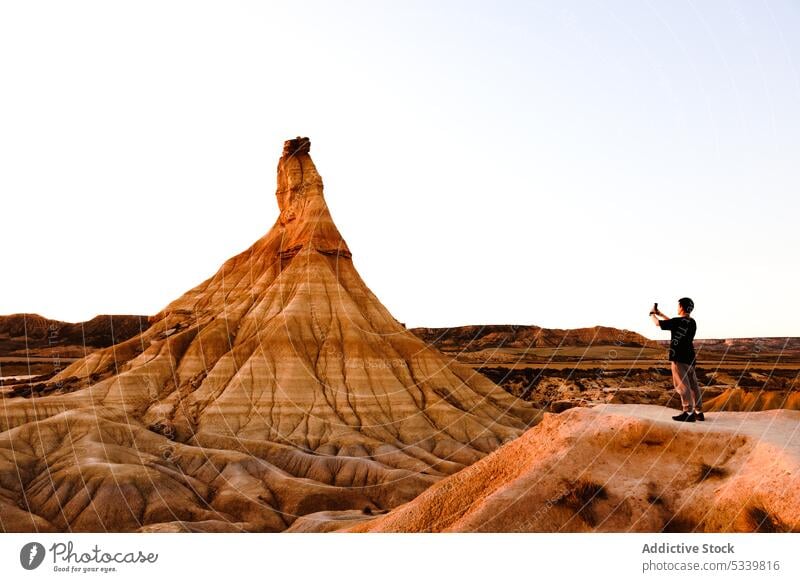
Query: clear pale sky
point(549, 163)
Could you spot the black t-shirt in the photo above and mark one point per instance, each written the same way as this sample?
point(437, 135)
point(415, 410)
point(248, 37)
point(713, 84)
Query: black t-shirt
point(683, 330)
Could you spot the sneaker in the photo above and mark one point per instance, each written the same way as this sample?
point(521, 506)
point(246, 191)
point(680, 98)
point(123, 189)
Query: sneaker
point(684, 417)
point(699, 416)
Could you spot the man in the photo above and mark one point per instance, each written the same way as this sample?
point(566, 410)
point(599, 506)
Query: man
point(682, 359)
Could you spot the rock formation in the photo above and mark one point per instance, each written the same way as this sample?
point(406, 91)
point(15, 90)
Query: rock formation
point(478, 337)
point(279, 387)
point(26, 334)
point(620, 468)
point(741, 399)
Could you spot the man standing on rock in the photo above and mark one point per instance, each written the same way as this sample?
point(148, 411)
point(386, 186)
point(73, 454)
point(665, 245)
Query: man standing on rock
point(682, 358)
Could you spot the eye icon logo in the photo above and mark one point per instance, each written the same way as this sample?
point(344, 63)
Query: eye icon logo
point(31, 555)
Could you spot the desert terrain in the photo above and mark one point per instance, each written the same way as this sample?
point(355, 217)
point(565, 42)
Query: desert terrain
point(281, 395)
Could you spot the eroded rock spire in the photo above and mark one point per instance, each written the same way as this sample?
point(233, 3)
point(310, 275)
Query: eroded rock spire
point(277, 388)
point(304, 212)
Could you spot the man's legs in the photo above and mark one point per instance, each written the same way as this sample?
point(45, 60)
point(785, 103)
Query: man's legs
point(695, 388)
point(680, 371)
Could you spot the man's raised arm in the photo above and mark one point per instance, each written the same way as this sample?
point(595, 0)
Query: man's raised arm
point(654, 315)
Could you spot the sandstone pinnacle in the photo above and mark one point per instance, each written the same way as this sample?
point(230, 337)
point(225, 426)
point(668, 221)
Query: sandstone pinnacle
point(278, 387)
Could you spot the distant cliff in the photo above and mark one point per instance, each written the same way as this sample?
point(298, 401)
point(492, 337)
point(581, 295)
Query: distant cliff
point(478, 337)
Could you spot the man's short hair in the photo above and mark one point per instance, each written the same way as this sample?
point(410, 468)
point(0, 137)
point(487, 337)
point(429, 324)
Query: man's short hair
point(686, 303)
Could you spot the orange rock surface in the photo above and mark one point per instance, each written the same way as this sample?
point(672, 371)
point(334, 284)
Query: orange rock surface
point(622, 468)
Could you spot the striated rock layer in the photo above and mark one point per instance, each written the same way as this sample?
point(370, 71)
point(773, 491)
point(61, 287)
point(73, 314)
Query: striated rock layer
point(746, 400)
point(279, 387)
point(621, 468)
point(33, 332)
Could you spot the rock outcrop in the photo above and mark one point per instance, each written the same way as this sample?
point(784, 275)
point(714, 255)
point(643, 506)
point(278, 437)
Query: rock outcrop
point(478, 337)
point(279, 387)
point(29, 334)
point(621, 468)
point(741, 399)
